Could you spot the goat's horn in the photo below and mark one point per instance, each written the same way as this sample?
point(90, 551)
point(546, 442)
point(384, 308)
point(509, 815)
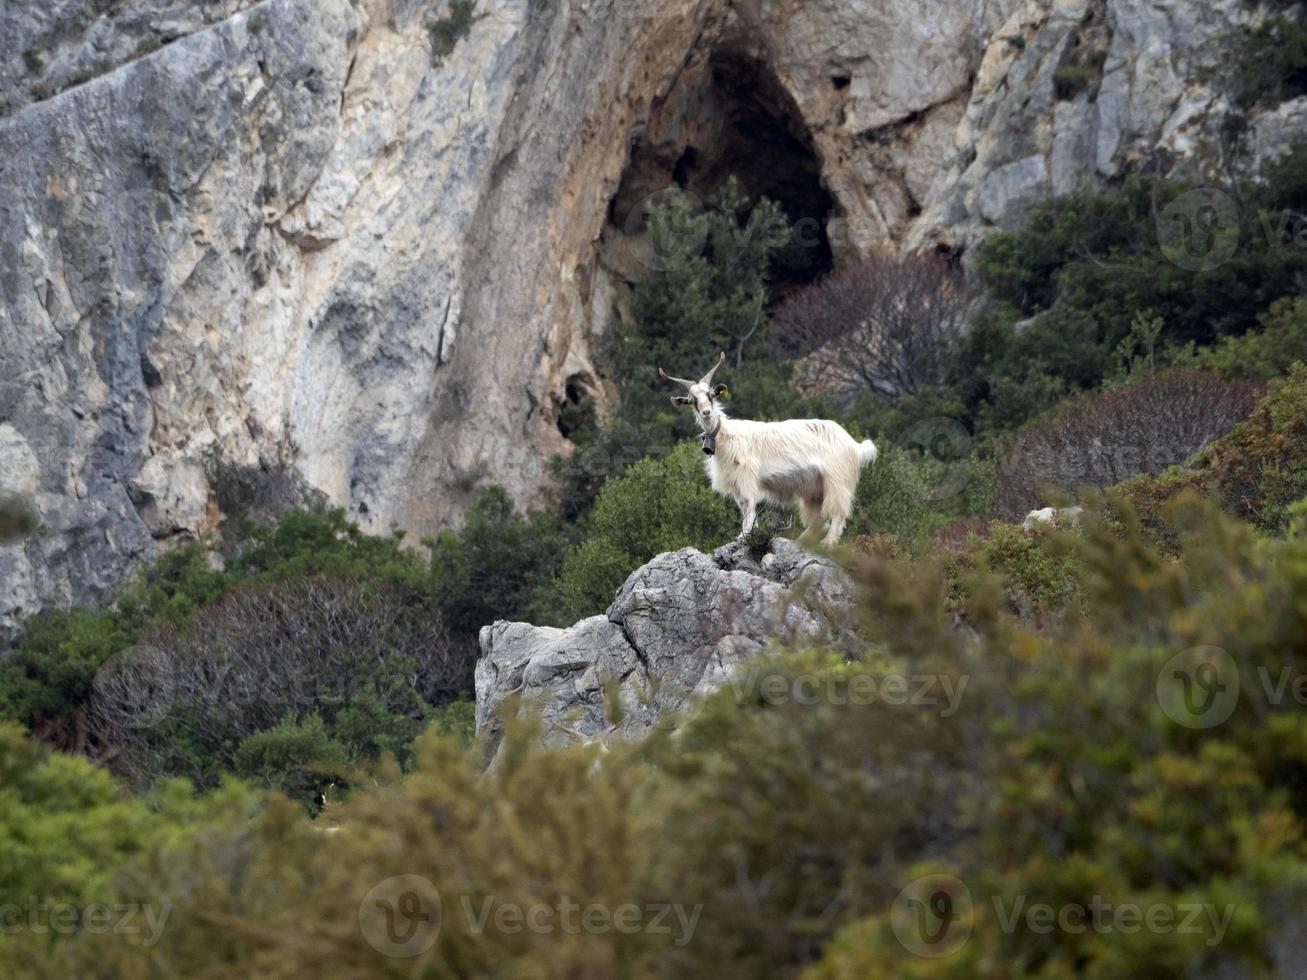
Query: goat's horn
point(707, 378)
point(680, 381)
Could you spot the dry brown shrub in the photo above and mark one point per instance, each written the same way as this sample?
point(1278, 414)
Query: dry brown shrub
point(1141, 427)
point(889, 324)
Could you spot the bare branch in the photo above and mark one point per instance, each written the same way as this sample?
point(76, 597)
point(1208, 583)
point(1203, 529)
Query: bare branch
point(889, 324)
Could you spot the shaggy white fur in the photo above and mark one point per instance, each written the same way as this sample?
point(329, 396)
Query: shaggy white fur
point(812, 463)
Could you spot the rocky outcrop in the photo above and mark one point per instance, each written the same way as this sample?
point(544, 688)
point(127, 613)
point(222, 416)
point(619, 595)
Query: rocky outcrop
point(680, 627)
point(282, 250)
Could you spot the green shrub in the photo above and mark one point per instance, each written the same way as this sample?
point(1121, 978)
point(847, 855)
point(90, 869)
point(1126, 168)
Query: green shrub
point(1266, 352)
point(1262, 468)
point(67, 828)
point(299, 758)
point(893, 497)
point(1273, 64)
point(367, 657)
point(658, 505)
point(497, 565)
point(317, 542)
point(1068, 289)
point(1258, 471)
point(1041, 574)
point(46, 679)
point(457, 719)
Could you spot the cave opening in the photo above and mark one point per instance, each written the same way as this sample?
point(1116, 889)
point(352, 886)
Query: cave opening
point(728, 116)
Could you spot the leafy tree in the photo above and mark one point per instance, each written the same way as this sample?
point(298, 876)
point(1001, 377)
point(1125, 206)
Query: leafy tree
point(657, 505)
point(704, 292)
point(497, 565)
point(1273, 64)
point(1263, 353)
point(299, 758)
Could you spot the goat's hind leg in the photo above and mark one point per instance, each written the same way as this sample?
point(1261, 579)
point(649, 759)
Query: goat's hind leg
point(810, 515)
point(836, 509)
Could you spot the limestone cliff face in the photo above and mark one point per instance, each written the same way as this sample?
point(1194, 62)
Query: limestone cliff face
point(352, 249)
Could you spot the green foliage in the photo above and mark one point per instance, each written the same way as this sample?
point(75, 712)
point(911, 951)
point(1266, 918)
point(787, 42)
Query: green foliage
point(894, 497)
point(1273, 64)
point(66, 827)
point(1087, 273)
point(769, 525)
point(367, 728)
point(457, 719)
point(498, 565)
point(1137, 353)
point(657, 505)
point(708, 285)
point(45, 680)
point(1041, 572)
point(299, 758)
point(1258, 471)
point(318, 542)
point(1038, 763)
point(1262, 353)
point(364, 660)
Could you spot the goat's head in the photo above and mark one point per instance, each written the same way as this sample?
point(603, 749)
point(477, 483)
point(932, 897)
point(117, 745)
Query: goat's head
point(703, 394)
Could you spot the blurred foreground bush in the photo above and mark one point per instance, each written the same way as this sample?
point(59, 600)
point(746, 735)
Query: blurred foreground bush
point(1055, 764)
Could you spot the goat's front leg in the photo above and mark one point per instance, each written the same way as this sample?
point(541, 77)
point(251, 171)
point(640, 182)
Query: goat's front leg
point(749, 511)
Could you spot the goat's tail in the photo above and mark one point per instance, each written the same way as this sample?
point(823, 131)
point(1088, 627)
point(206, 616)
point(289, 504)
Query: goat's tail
point(867, 452)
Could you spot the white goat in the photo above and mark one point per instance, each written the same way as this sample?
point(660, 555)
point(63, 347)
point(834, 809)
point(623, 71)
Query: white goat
point(1048, 515)
point(810, 462)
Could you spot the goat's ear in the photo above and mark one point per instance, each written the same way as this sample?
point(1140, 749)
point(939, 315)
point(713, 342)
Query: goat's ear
point(720, 390)
point(680, 400)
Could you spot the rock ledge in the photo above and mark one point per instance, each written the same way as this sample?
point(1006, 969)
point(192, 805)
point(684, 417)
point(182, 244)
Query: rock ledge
point(680, 627)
